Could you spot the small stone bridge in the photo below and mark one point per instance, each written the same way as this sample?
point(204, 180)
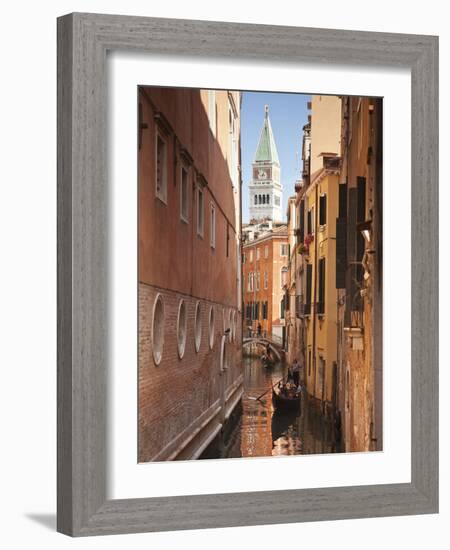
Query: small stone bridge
point(275, 346)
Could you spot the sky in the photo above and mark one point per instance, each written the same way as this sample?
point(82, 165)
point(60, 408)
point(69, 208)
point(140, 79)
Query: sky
point(288, 114)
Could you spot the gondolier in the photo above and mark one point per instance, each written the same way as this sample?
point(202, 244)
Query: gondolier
point(296, 372)
point(285, 396)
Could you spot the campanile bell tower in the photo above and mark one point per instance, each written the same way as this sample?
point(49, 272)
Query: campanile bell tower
point(265, 188)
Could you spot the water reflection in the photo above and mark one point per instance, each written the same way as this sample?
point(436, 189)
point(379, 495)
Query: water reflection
point(260, 430)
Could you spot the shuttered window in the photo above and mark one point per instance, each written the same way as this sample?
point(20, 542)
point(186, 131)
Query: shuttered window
point(302, 221)
point(309, 223)
point(360, 217)
point(343, 200)
point(361, 209)
point(341, 251)
point(323, 210)
point(341, 238)
point(321, 297)
point(308, 289)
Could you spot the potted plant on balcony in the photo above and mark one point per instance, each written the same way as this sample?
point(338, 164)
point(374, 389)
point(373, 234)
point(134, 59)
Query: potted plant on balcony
point(309, 239)
point(303, 249)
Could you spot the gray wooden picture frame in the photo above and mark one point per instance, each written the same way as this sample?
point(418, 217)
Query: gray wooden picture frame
point(83, 41)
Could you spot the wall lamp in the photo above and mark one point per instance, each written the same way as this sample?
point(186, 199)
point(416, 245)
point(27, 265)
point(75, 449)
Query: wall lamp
point(365, 229)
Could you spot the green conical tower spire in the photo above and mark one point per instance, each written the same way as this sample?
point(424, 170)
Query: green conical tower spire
point(267, 150)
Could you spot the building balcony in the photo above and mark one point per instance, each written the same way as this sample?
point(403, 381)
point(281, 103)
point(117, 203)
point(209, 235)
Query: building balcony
point(331, 162)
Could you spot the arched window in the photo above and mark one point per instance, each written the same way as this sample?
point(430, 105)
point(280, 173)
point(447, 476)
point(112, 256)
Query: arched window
point(268, 199)
point(158, 329)
point(181, 328)
point(256, 199)
point(211, 327)
point(198, 326)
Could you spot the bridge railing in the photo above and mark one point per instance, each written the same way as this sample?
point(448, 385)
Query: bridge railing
point(274, 338)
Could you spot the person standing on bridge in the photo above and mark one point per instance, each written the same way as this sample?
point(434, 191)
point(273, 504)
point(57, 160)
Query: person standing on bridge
point(259, 329)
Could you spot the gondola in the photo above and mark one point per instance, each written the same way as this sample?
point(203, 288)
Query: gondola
point(289, 400)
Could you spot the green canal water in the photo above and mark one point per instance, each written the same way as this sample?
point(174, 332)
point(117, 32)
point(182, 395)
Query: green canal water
point(257, 429)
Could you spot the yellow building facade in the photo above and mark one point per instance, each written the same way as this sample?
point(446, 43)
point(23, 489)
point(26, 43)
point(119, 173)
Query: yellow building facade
point(317, 209)
point(321, 200)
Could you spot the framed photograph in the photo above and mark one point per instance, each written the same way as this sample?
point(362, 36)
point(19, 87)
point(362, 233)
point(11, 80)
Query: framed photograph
point(247, 274)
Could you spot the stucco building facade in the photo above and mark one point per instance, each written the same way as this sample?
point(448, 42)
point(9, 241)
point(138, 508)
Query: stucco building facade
point(312, 290)
point(334, 289)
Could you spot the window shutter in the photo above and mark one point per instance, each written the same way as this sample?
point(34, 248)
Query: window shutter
point(308, 289)
point(323, 210)
point(302, 221)
point(343, 200)
point(321, 301)
point(361, 209)
point(361, 217)
point(341, 251)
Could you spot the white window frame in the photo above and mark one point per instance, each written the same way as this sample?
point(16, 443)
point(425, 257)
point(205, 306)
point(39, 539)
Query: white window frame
point(212, 111)
point(284, 269)
point(211, 327)
point(158, 343)
point(212, 226)
point(161, 193)
point(266, 280)
point(200, 212)
point(182, 329)
point(198, 327)
point(184, 216)
point(281, 250)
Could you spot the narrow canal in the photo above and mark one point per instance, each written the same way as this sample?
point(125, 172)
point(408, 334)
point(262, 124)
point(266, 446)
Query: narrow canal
point(258, 429)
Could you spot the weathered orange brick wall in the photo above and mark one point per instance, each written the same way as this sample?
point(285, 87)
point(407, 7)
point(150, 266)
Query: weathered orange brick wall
point(171, 254)
point(175, 392)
